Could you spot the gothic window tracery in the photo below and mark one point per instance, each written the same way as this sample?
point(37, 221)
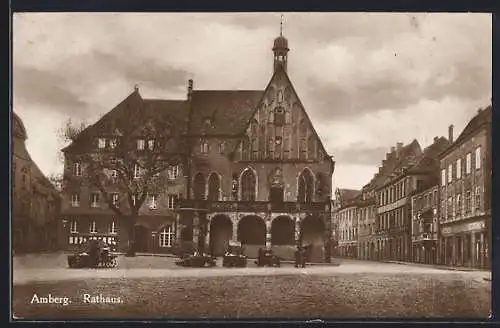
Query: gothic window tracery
point(245, 148)
point(248, 184)
point(306, 187)
point(213, 187)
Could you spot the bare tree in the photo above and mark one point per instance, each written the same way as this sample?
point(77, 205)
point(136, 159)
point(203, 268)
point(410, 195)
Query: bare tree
point(129, 156)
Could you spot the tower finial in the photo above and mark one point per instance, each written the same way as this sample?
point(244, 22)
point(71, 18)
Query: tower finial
point(281, 26)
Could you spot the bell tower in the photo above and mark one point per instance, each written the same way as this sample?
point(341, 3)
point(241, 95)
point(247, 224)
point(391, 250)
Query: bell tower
point(280, 49)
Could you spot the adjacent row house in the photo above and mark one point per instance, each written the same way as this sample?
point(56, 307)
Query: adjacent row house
point(430, 205)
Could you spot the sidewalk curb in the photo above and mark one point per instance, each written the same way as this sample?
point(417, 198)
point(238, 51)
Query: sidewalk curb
point(439, 267)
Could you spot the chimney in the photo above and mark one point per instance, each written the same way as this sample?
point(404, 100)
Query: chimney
point(479, 110)
point(450, 133)
point(393, 150)
point(387, 156)
point(436, 139)
point(190, 89)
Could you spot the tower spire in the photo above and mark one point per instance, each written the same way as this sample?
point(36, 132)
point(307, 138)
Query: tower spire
point(281, 25)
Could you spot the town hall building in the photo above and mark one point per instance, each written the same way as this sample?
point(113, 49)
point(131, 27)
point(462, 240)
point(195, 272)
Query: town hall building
point(256, 172)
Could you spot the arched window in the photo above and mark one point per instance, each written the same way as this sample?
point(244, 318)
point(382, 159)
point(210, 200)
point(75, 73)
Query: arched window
point(248, 186)
point(213, 187)
point(199, 186)
point(306, 187)
point(166, 237)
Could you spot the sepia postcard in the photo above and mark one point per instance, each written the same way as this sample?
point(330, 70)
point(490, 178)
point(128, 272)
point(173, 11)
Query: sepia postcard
point(251, 166)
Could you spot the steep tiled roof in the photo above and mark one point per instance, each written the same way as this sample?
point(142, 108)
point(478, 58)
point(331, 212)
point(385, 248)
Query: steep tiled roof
point(348, 194)
point(482, 117)
point(228, 111)
point(18, 129)
point(175, 111)
point(429, 159)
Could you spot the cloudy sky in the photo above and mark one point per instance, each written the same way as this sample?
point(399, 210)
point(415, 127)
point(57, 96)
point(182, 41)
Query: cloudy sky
point(367, 81)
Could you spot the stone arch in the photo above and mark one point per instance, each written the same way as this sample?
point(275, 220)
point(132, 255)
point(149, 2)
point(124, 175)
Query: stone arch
point(199, 186)
point(221, 231)
point(312, 230)
point(305, 186)
point(213, 183)
point(248, 184)
point(252, 230)
point(283, 231)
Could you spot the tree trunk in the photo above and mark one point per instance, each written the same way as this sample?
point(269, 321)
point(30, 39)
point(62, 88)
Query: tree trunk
point(131, 236)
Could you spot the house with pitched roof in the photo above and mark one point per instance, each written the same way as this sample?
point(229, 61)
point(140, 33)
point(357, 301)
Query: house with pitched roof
point(255, 171)
point(465, 193)
point(346, 216)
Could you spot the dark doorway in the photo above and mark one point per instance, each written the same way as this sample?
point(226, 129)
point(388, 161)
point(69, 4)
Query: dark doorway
point(252, 231)
point(283, 231)
point(141, 238)
point(221, 232)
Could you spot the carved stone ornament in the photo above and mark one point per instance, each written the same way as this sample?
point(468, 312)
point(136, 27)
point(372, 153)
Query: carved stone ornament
point(276, 178)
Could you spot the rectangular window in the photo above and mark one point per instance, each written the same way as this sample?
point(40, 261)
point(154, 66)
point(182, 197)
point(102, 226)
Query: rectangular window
point(221, 148)
point(94, 200)
point(101, 143)
point(468, 164)
point(73, 227)
point(137, 171)
point(204, 147)
point(477, 199)
point(77, 169)
point(75, 200)
point(112, 228)
point(172, 201)
point(450, 173)
point(468, 202)
point(459, 205)
point(478, 158)
point(459, 168)
point(140, 144)
point(173, 172)
point(93, 227)
point(115, 199)
point(166, 237)
point(153, 202)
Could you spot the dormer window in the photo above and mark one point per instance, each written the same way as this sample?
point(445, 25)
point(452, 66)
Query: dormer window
point(101, 143)
point(140, 144)
point(112, 143)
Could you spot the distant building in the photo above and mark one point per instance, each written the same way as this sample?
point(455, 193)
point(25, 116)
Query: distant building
point(35, 201)
point(347, 214)
point(465, 193)
point(366, 222)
